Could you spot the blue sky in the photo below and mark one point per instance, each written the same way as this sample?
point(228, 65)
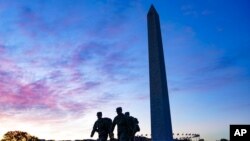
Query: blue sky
point(62, 61)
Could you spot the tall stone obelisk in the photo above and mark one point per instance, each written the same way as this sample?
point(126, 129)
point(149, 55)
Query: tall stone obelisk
point(161, 127)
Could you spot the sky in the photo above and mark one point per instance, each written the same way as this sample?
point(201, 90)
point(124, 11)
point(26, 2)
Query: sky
point(63, 61)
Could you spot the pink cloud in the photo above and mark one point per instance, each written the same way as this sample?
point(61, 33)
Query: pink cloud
point(27, 96)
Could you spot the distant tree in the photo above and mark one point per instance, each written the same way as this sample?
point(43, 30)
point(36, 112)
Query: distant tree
point(223, 140)
point(18, 136)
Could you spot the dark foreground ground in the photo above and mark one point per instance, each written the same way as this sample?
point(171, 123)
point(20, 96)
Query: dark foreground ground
point(24, 136)
point(136, 139)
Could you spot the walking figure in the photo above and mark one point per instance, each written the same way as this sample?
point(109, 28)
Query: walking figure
point(133, 126)
point(103, 127)
point(122, 125)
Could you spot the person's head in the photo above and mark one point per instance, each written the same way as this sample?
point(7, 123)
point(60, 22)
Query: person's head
point(127, 114)
point(99, 115)
point(119, 110)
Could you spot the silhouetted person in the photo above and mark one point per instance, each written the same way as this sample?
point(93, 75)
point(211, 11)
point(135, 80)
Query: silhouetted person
point(122, 125)
point(133, 126)
point(102, 126)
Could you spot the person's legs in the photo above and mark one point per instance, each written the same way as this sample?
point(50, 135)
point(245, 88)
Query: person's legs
point(103, 138)
point(132, 138)
point(124, 137)
point(119, 136)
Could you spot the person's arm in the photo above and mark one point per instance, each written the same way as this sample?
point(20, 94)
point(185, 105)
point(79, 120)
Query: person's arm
point(94, 129)
point(111, 134)
point(113, 125)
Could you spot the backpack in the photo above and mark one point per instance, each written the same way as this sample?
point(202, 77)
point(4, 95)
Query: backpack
point(136, 123)
point(107, 124)
point(133, 124)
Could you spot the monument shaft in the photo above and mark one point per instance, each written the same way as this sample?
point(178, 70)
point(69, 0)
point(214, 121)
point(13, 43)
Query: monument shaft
point(161, 127)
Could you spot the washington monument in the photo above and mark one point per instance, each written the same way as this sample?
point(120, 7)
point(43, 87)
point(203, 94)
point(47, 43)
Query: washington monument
point(161, 127)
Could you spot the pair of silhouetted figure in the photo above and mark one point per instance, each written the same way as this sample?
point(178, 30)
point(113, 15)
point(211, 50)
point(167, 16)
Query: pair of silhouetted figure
point(127, 126)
